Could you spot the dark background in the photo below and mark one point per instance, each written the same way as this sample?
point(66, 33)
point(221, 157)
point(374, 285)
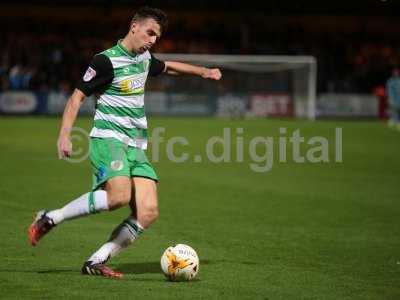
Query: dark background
point(48, 44)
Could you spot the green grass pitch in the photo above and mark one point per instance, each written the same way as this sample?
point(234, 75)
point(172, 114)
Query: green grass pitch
point(300, 231)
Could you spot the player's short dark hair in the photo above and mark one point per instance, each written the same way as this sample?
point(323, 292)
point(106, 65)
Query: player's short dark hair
point(156, 14)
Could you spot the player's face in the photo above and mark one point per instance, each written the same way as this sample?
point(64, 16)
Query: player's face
point(145, 34)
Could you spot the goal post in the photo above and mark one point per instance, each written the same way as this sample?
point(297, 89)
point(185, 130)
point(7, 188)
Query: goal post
point(251, 85)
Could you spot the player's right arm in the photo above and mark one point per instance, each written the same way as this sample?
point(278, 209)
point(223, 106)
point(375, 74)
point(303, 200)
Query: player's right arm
point(97, 77)
point(64, 145)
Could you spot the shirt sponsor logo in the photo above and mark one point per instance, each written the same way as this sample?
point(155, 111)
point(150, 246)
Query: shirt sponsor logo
point(90, 73)
point(129, 85)
point(138, 83)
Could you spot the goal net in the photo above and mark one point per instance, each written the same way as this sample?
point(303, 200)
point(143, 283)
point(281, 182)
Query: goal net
point(251, 86)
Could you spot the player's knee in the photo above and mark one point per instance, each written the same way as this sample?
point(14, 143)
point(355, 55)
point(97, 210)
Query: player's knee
point(154, 213)
point(118, 199)
point(148, 215)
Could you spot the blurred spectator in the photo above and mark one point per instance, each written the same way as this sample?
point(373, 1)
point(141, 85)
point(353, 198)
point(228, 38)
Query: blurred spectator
point(47, 57)
point(393, 91)
point(19, 77)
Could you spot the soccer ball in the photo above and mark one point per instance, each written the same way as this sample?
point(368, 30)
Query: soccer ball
point(180, 263)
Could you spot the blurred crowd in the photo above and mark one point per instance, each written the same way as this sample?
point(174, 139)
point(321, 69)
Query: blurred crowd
point(43, 57)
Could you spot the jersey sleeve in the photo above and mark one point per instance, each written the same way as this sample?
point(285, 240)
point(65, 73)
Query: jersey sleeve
point(156, 66)
point(98, 75)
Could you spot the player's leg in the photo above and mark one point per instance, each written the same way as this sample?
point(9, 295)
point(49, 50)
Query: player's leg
point(117, 193)
point(144, 206)
point(109, 164)
point(146, 201)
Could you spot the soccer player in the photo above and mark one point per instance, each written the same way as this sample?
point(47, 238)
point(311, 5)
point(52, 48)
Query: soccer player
point(121, 172)
point(393, 92)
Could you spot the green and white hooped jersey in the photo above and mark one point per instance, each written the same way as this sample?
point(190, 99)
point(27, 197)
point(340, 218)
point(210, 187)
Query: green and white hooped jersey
point(119, 77)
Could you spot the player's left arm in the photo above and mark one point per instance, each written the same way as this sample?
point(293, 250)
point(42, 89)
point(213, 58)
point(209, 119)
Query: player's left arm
point(176, 68)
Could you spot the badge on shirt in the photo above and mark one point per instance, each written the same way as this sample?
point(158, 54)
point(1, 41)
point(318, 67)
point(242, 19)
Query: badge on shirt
point(90, 73)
